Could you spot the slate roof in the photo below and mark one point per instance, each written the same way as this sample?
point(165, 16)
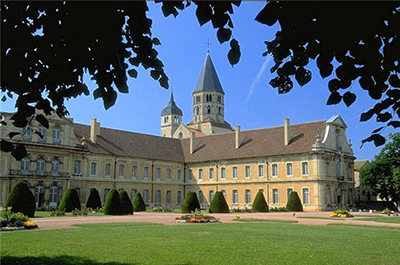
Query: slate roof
point(208, 80)
point(254, 143)
point(171, 108)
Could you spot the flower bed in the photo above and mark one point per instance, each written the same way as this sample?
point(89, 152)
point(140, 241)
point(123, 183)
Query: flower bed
point(341, 213)
point(387, 212)
point(196, 218)
point(15, 221)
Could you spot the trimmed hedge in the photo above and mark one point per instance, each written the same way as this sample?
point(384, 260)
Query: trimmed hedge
point(112, 205)
point(138, 203)
point(294, 203)
point(70, 201)
point(259, 203)
point(191, 203)
point(126, 205)
point(94, 200)
point(218, 204)
point(21, 200)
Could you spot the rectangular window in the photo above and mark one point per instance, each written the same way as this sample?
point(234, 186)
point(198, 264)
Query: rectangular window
point(25, 165)
point(288, 192)
point(260, 171)
point(289, 169)
point(306, 198)
point(168, 198)
point(190, 175)
point(210, 196)
point(275, 170)
point(106, 191)
point(146, 196)
point(179, 197)
point(275, 198)
point(169, 174)
point(146, 174)
point(42, 134)
point(304, 168)
point(158, 196)
point(108, 170)
point(133, 194)
point(158, 174)
point(200, 174)
point(56, 135)
point(134, 172)
point(327, 169)
point(77, 167)
point(234, 173)
point(55, 167)
point(179, 174)
point(121, 171)
point(247, 195)
point(211, 174)
point(201, 197)
point(41, 166)
point(27, 133)
point(93, 169)
point(247, 171)
point(223, 173)
point(235, 198)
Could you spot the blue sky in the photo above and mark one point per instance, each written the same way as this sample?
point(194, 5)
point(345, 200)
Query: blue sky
point(249, 99)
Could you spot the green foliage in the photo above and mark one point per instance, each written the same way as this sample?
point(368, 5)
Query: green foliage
point(70, 201)
point(21, 200)
point(382, 175)
point(94, 200)
point(259, 203)
point(126, 205)
point(218, 204)
point(112, 205)
point(138, 203)
point(294, 204)
point(191, 203)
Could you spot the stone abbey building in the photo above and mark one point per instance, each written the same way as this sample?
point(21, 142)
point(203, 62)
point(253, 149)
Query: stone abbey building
point(205, 156)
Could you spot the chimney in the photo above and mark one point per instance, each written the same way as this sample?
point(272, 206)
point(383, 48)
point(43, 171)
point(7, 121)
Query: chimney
point(191, 143)
point(94, 130)
point(287, 131)
point(237, 137)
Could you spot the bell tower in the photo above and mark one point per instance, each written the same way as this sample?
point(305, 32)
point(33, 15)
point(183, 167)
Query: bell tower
point(171, 117)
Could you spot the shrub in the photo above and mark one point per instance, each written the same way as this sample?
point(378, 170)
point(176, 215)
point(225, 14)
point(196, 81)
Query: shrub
point(218, 204)
point(94, 201)
point(259, 203)
point(191, 203)
point(21, 200)
point(126, 205)
point(138, 203)
point(70, 201)
point(294, 203)
point(112, 205)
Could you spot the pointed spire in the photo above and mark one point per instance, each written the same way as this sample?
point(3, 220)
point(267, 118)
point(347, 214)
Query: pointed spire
point(208, 80)
point(171, 108)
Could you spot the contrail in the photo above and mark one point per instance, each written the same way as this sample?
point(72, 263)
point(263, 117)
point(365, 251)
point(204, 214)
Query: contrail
point(258, 77)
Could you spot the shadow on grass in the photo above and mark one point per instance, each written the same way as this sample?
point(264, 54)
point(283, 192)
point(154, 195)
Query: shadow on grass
point(65, 260)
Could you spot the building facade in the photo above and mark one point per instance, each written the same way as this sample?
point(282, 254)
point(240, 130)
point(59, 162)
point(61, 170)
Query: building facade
point(205, 156)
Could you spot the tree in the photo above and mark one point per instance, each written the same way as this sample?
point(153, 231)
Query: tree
point(112, 205)
point(218, 204)
point(259, 203)
point(191, 203)
point(382, 175)
point(21, 200)
point(126, 205)
point(70, 201)
point(94, 200)
point(294, 203)
point(48, 46)
point(138, 203)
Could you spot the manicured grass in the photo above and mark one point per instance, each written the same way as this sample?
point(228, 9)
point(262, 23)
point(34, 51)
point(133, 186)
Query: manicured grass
point(382, 219)
point(324, 218)
point(48, 214)
point(236, 243)
point(256, 220)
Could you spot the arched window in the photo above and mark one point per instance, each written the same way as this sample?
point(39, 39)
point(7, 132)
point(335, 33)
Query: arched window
point(57, 135)
point(40, 166)
point(53, 201)
point(55, 167)
point(197, 110)
point(208, 110)
point(39, 195)
point(219, 110)
point(42, 136)
point(180, 135)
point(25, 165)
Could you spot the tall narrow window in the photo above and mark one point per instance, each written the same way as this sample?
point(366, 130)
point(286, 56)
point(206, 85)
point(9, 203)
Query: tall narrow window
point(234, 173)
point(260, 171)
point(42, 136)
point(27, 133)
point(211, 174)
point(235, 198)
point(200, 174)
point(304, 168)
point(133, 193)
point(201, 197)
point(306, 196)
point(247, 195)
point(77, 167)
point(223, 173)
point(56, 135)
point(169, 174)
point(179, 197)
point(275, 198)
point(39, 195)
point(247, 172)
point(274, 170)
point(53, 201)
point(146, 173)
point(25, 165)
point(40, 166)
point(158, 196)
point(289, 169)
point(93, 169)
point(190, 175)
point(158, 174)
point(208, 110)
point(210, 196)
point(327, 169)
point(121, 172)
point(107, 171)
point(134, 172)
point(55, 167)
point(179, 174)
point(106, 191)
point(289, 190)
point(168, 197)
point(146, 196)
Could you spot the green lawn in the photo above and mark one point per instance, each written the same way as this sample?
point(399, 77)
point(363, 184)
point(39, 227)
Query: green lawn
point(48, 214)
point(237, 243)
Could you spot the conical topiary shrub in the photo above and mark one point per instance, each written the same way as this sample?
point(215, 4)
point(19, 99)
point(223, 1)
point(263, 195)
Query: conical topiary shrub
point(70, 201)
point(294, 203)
point(191, 203)
point(259, 203)
point(126, 205)
point(112, 205)
point(94, 200)
point(138, 203)
point(21, 200)
point(218, 204)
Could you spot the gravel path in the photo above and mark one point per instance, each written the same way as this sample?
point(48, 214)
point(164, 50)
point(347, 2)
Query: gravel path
point(168, 219)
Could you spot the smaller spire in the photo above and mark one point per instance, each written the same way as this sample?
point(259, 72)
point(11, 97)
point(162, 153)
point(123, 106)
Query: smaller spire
point(171, 108)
